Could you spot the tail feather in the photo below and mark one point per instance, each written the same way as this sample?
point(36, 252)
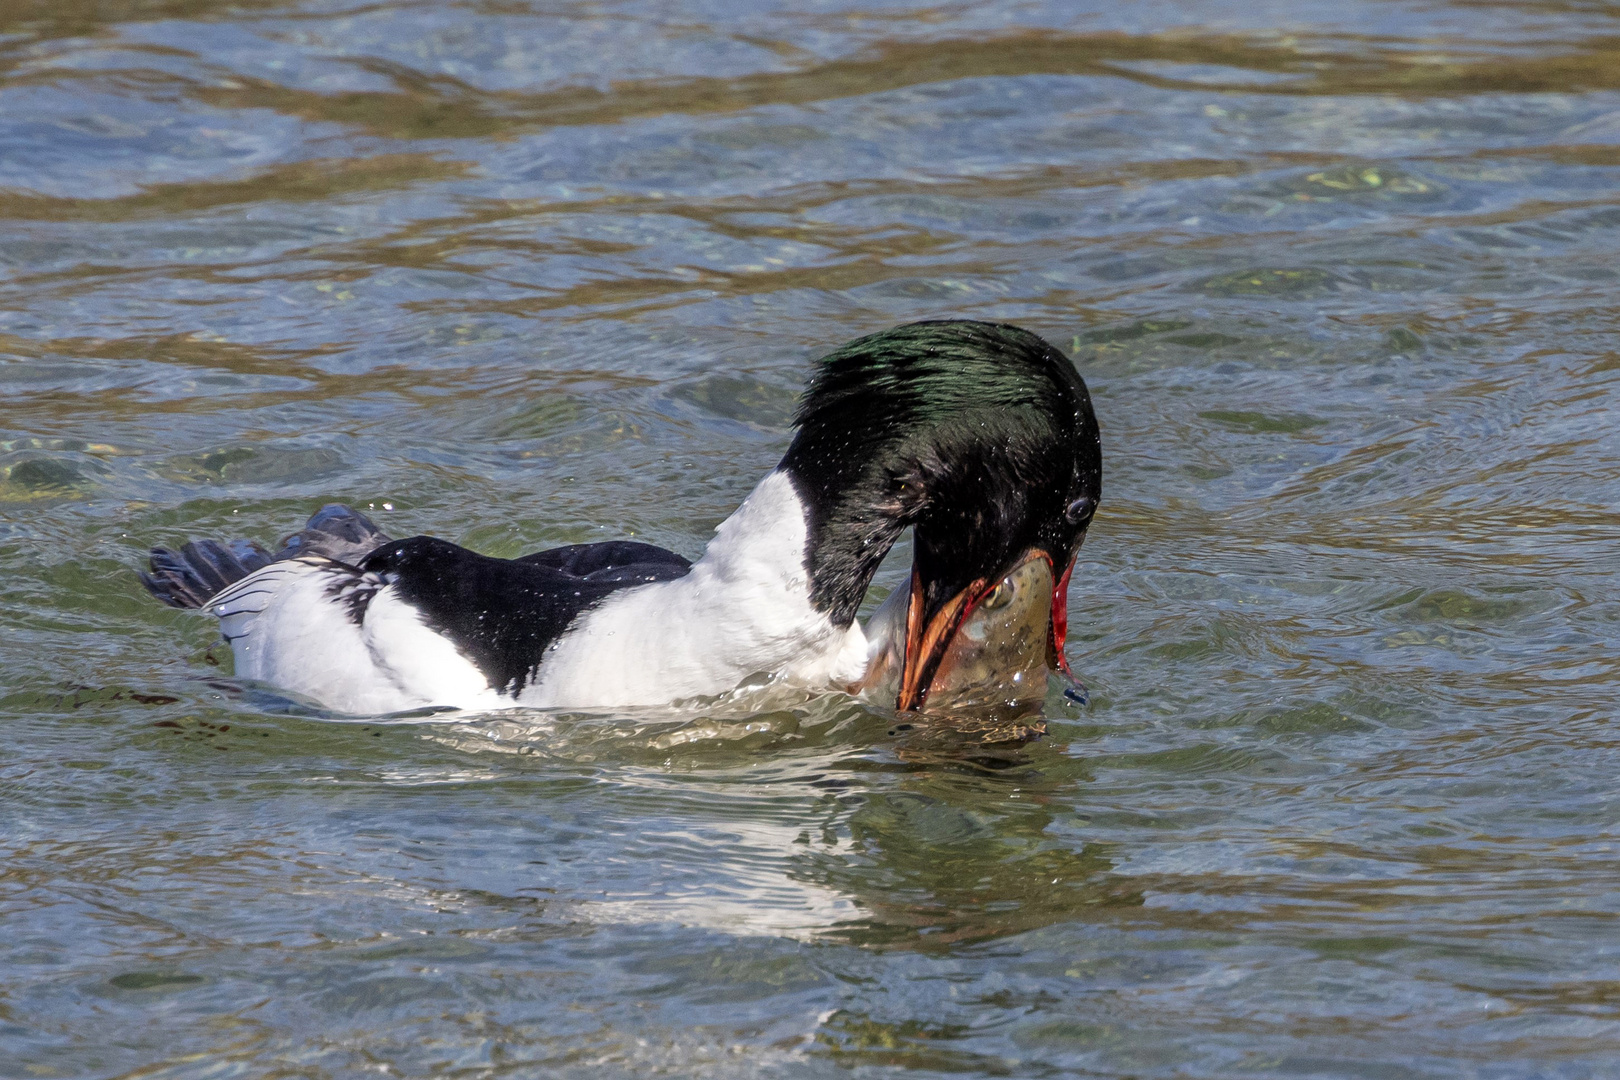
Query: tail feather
point(201, 569)
point(188, 578)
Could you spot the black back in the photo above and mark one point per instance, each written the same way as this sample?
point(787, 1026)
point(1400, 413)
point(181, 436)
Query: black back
point(627, 562)
point(502, 614)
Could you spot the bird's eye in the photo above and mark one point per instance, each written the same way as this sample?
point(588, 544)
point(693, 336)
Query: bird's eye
point(999, 597)
point(1079, 510)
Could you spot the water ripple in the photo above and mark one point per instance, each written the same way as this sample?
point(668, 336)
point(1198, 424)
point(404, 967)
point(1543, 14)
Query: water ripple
point(1340, 278)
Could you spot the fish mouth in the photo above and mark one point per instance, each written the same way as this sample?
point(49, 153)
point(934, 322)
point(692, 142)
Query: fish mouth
point(990, 645)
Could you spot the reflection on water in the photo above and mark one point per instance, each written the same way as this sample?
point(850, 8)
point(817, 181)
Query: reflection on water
point(1340, 278)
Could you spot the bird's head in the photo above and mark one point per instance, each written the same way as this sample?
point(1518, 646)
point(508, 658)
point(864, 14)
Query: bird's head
point(981, 438)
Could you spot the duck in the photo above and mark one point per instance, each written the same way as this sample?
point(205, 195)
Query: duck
point(979, 437)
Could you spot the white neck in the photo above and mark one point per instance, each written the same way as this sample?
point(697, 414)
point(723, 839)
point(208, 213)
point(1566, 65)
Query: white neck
point(743, 610)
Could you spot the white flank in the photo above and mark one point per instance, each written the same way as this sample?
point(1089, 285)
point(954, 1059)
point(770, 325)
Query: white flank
point(743, 609)
point(289, 627)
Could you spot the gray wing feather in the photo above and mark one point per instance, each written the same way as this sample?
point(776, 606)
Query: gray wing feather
point(336, 532)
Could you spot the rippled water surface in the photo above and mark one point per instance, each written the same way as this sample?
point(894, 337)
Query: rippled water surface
point(1342, 278)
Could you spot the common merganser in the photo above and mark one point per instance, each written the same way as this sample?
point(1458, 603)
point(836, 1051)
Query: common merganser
point(980, 437)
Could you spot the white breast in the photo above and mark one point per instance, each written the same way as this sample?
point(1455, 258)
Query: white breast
point(743, 610)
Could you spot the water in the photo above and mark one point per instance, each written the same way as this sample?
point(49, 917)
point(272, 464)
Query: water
point(1341, 278)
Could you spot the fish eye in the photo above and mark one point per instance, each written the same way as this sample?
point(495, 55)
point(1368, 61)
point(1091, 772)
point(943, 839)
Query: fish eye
point(1079, 510)
point(999, 597)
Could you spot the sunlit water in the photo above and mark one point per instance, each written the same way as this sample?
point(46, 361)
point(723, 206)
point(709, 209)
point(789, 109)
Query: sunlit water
point(1343, 281)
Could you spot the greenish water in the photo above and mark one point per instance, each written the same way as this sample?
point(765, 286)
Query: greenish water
point(1342, 279)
